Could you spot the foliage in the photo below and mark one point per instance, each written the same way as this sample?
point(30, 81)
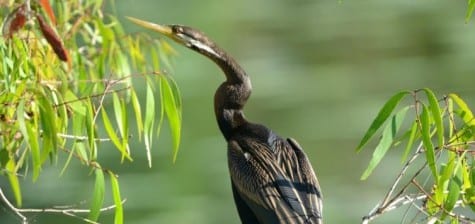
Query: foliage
point(470, 8)
point(62, 64)
point(443, 131)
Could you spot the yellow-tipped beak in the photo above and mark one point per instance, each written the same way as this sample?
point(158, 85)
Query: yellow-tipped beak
point(166, 30)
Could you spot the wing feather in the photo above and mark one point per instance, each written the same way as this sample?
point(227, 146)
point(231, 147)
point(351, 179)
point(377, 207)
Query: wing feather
point(278, 181)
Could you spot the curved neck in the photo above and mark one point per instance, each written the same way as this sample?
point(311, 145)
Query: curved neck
point(231, 95)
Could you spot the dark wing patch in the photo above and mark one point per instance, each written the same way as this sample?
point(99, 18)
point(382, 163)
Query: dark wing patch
point(271, 178)
point(310, 191)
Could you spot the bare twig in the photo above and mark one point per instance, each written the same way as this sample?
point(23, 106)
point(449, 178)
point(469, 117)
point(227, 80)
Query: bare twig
point(13, 208)
point(82, 138)
point(389, 203)
point(65, 211)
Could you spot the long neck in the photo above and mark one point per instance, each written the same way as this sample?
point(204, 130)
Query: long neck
point(231, 95)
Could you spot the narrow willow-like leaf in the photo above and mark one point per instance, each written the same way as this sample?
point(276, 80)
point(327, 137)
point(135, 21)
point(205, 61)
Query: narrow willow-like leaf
point(176, 94)
point(14, 183)
point(436, 115)
point(410, 141)
point(118, 112)
point(426, 140)
point(107, 34)
point(434, 206)
point(31, 138)
point(136, 56)
point(448, 170)
point(466, 133)
point(162, 109)
point(68, 160)
point(470, 191)
point(124, 66)
point(470, 8)
point(78, 127)
point(113, 136)
point(119, 213)
point(98, 195)
point(148, 123)
point(48, 125)
point(466, 114)
point(63, 119)
point(470, 194)
point(382, 116)
point(121, 119)
point(389, 133)
point(165, 50)
point(154, 57)
point(76, 105)
point(125, 125)
point(90, 131)
point(450, 113)
point(173, 114)
point(453, 196)
point(465, 170)
point(138, 113)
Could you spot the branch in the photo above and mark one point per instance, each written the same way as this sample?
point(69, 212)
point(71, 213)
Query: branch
point(388, 203)
point(12, 207)
point(66, 211)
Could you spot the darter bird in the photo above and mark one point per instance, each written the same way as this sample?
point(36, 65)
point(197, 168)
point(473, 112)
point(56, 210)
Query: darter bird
point(271, 177)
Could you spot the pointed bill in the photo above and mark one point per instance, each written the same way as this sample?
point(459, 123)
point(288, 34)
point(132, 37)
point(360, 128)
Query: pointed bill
point(166, 30)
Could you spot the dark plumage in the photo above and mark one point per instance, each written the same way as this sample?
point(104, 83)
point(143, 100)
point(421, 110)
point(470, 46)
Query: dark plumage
point(272, 179)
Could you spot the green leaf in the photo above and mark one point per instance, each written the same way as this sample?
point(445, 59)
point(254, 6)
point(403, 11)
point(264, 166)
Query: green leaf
point(119, 213)
point(176, 94)
point(382, 116)
point(389, 133)
point(31, 138)
point(162, 109)
point(154, 57)
point(122, 123)
point(68, 160)
point(173, 114)
point(13, 178)
point(118, 112)
point(113, 136)
point(451, 117)
point(98, 195)
point(48, 124)
point(78, 126)
point(436, 115)
point(76, 105)
point(426, 140)
point(138, 113)
point(91, 135)
point(410, 141)
point(148, 123)
point(453, 196)
point(448, 170)
point(470, 8)
point(466, 114)
point(125, 125)
point(465, 170)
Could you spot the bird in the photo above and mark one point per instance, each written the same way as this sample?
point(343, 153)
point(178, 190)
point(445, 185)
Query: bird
point(272, 179)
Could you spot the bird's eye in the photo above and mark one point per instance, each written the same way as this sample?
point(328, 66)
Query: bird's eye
point(177, 29)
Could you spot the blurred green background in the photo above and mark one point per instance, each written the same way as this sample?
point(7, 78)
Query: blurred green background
point(320, 71)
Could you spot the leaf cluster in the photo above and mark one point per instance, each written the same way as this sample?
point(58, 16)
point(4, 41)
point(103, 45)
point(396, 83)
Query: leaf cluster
point(441, 130)
point(63, 64)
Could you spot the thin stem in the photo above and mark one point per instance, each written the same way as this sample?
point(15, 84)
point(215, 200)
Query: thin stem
point(66, 211)
point(13, 208)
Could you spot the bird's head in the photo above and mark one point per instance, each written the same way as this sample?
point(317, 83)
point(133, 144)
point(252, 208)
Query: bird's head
point(184, 35)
